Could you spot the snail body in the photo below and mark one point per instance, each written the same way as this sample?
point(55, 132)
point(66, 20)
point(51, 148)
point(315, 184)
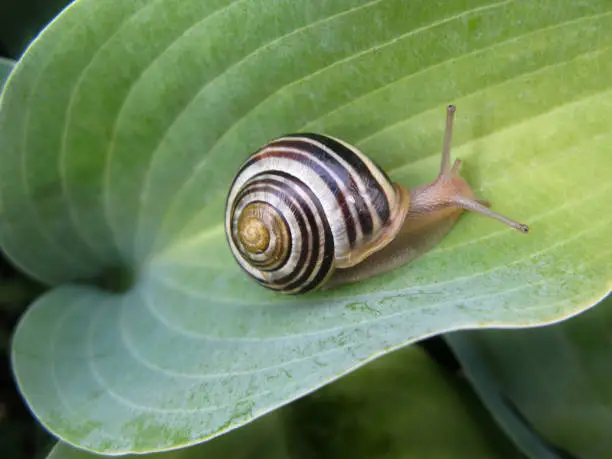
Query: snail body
point(308, 210)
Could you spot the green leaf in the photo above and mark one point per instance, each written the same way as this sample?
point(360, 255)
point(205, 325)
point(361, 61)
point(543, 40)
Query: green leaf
point(126, 121)
point(401, 406)
point(262, 438)
point(6, 66)
point(552, 381)
point(431, 414)
point(14, 291)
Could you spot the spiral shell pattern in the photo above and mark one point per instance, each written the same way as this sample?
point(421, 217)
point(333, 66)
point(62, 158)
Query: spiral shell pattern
point(303, 205)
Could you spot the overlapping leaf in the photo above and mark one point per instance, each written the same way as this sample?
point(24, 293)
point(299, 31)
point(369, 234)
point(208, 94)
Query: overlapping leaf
point(6, 65)
point(553, 381)
point(125, 123)
point(430, 415)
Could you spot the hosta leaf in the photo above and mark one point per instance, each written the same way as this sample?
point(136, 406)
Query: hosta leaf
point(430, 415)
point(8, 294)
point(262, 438)
point(553, 381)
point(126, 121)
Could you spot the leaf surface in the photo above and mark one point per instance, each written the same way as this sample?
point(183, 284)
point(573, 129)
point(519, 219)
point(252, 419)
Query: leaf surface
point(551, 381)
point(125, 123)
point(431, 415)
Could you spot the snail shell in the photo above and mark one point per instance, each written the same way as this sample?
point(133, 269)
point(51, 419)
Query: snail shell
point(306, 204)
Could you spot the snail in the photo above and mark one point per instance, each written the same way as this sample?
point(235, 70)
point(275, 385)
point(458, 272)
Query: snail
point(308, 211)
